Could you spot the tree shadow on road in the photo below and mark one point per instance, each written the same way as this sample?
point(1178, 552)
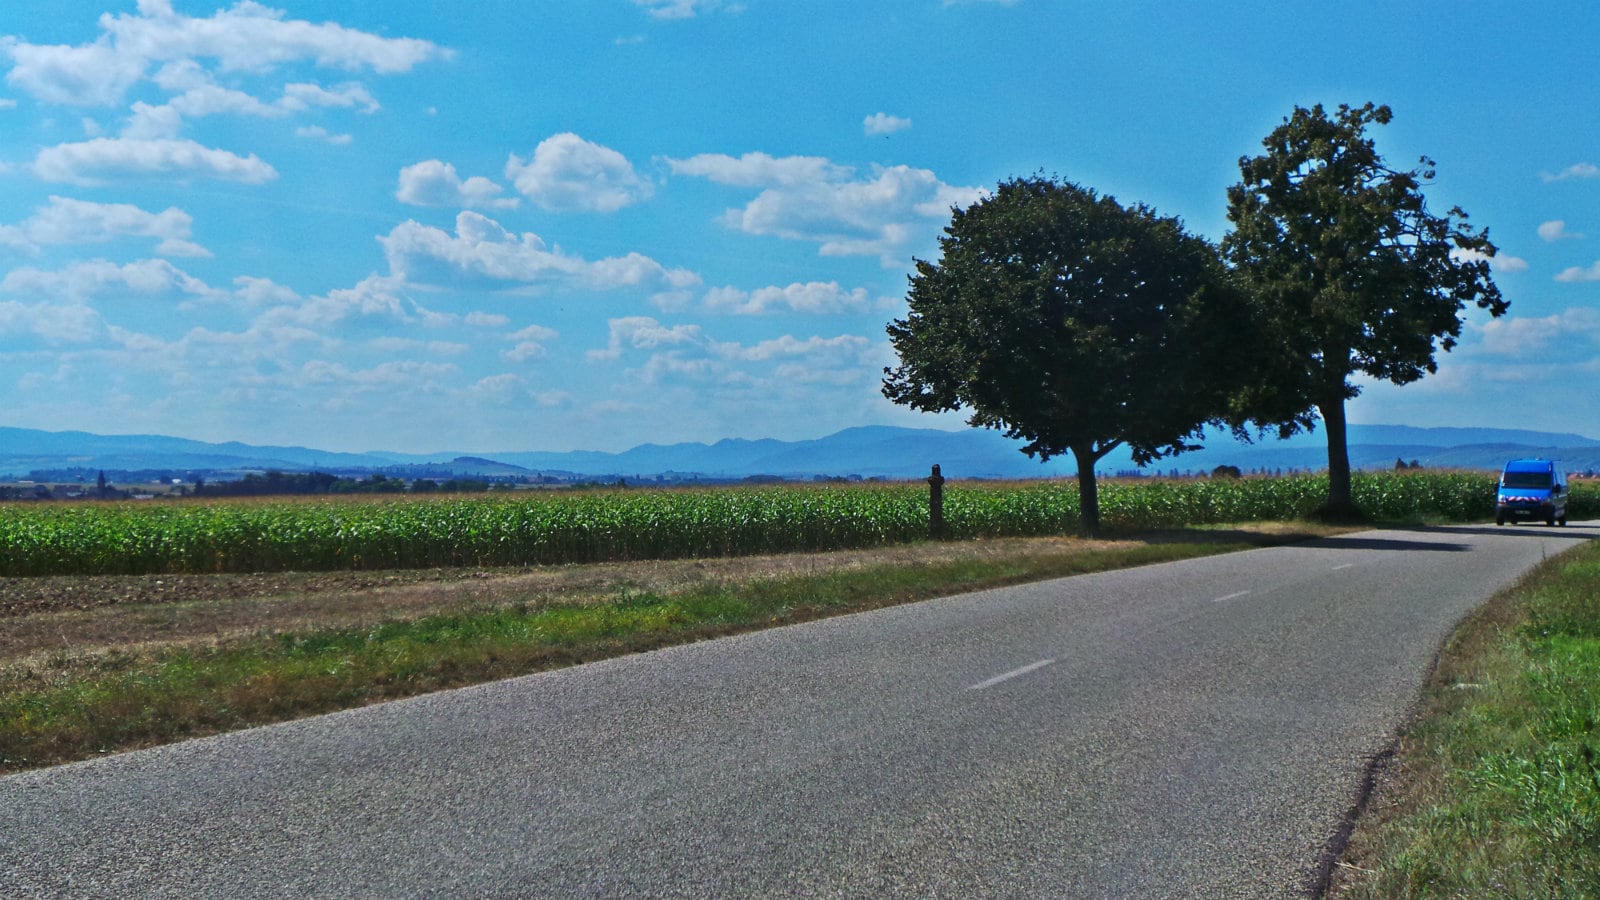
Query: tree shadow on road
point(1219, 536)
point(1394, 536)
point(1366, 541)
point(1574, 530)
point(1313, 536)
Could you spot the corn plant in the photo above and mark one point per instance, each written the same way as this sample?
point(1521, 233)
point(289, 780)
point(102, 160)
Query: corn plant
point(532, 528)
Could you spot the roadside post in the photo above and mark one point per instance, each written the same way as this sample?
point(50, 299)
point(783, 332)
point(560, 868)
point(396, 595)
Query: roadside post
point(936, 503)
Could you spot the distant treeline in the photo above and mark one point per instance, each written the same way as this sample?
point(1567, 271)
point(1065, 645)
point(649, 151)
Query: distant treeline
point(273, 483)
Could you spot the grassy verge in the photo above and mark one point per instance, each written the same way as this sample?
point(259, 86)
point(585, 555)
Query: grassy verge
point(1495, 791)
point(64, 704)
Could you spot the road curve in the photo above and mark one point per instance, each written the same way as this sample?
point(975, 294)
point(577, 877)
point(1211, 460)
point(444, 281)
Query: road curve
point(1188, 729)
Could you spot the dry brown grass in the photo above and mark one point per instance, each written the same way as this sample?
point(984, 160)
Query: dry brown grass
point(93, 665)
point(50, 616)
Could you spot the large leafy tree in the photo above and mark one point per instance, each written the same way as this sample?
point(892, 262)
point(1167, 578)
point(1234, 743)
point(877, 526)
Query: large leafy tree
point(1071, 322)
point(1348, 273)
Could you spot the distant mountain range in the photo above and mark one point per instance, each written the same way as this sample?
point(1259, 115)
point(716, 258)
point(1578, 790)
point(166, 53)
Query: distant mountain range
point(868, 452)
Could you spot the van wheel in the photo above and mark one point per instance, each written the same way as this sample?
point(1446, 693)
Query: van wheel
point(1563, 521)
point(1550, 522)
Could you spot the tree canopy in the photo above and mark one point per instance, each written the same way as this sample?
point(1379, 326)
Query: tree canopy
point(1073, 323)
point(1347, 271)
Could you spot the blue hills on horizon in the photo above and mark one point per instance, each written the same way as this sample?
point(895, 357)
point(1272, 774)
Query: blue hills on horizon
point(872, 451)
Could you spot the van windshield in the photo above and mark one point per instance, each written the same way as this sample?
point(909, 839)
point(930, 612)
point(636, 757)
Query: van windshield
point(1527, 479)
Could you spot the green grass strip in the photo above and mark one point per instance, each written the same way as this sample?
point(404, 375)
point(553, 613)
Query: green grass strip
point(76, 707)
point(1500, 779)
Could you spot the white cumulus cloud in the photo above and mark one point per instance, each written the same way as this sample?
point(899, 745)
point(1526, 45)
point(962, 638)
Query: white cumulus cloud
point(379, 298)
point(1577, 170)
point(1556, 230)
point(304, 95)
point(55, 323)
point(258, 292)
point(487, 320)
point(811, 297)
point(683, 9)
point(570, 173)
point(760, 169)
point(886, 213)
point(844, 349)
point(248, 37)
point(99, 278)
point(89, 162)
point(1580, 274)
point(883, 123)
point(1500, 262)
point(202, 98)
point(66, 221)
point(482, 249)
point(435, 183)
point(530, 343)
point(90, 75)
point(645, 333)
point(682, 358)
point(318, 133)
point(1525, 337)
point(403, 374)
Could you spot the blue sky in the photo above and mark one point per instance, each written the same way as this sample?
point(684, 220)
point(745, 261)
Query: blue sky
point(497, 225)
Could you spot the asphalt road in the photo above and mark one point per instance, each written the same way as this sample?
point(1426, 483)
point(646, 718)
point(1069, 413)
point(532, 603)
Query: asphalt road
point(1194, 729)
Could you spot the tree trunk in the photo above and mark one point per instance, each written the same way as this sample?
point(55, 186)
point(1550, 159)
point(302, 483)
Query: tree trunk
point(1340, 505)
point(1088, 490)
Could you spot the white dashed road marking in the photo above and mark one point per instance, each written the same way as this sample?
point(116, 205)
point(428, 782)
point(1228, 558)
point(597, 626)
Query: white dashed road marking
point(1011, 674)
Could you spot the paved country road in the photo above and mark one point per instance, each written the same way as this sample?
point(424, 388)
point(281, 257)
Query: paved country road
point(1189, 729)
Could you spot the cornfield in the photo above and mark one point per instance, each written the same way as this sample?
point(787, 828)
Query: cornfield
point(553, 528)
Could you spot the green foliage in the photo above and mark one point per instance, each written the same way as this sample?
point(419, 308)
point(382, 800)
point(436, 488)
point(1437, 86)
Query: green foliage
point(1584, 500)
point(553, 528)
point(1348, 271)
point(517, 529)
point(1067, 320)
